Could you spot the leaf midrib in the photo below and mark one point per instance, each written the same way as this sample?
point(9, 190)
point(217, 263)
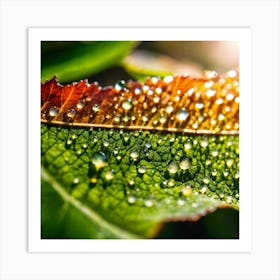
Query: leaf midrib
point(85, 210)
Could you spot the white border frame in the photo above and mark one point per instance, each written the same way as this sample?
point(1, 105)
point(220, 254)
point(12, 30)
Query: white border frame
point(262, 16)
point(240, 35)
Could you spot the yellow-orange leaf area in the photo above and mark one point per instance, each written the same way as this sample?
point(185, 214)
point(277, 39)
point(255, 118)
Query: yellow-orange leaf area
point(208, 104)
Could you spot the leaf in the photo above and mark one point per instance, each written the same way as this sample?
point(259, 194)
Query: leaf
point(76, 60)
point(125, 179)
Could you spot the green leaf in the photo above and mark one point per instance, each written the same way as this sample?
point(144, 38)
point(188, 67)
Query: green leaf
point(107, 183)
point(77, 60)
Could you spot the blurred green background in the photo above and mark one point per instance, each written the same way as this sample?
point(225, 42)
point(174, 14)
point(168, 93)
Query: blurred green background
point(110, 61)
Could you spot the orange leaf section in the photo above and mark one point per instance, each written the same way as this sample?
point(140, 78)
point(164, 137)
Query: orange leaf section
point(209, 104)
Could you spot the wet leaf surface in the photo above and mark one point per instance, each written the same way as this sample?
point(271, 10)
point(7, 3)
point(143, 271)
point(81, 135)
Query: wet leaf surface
point(113, 167)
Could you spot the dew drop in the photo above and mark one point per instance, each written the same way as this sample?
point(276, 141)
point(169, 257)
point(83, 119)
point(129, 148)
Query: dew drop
point(226, 172)
point(134, 155)
point(69, 142)
point(210, 92)
point(221, 117)
point(145, 118)
point(230, 96)
point(195, 125)
point(95, 108)
point(215, 153)
point(168, 79)
point(208, 84)
point(71, 113)
point(120, 86)
point(199, 105)
point(187, 146)
point(206, 180)
point(148, 202)
point(162, 119)
point(169, 109)
point(158, 90)
point(80, 105)
point(141, 169)
point(220, 101)
point(173, 167)
point(214, 172)
point(185, 163)
point(204, 143)
point(109, 175)
point(99, 160)
point(182, 114)
point(170, 183)
point(186, 191)
point(203, 189)
point(148, 145)
point(106, 143)
point(229, 162)
point(210, 74)
point(53, 112)
point(76, 180)
point(231, 73)
point(117, 118)
point(194, 205)
point(131, 199)
point(127, 104)
point(156, 99)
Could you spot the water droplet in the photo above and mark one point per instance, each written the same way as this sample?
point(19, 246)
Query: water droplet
point(203, 189)
point(208, 84)
point(204, 143)
point(85, 145)
point(187, 146)
point(181, 201)
point(185, 163)
point(168, 79)
point(208, 161)
point(191, 91)
point(236, 176)
point(109, 175)
point(210, 74)
point(170, 183)
point(221, 117)
point(230, 96)
point(186, 191)
point(210, 92)
point(95, 108)
point(76, 180)
point(69, 142)
point(158, 90)
point(215, 153)
point(229, 199)
point(156, 99)
point(182, 114)
point(169, 109)
point(194, 205)
point(229, 162)
point(71, 113)
point(120, 86)
point(126, 118)
point(106, 143)
point(134, 155)
point(237, 99)
point(53, 112)
point(127, 104)
point(206, 180)
point(199, 105)
point(141, 169)
point(80, 105)
point(173, 167)
point(150, 92)
point(154, 80)
point(226, 172)
point(231, 73)
point(214, 172)
point(131, 199)
point(148, 202)
point(220, 101)
point(162, 119)
point(145, 118)
point(99, 160)
point(195, 125)
point(117, 118)
point(148, 145)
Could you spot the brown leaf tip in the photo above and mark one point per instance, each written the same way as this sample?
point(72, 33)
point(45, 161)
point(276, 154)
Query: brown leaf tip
point(209, 104)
